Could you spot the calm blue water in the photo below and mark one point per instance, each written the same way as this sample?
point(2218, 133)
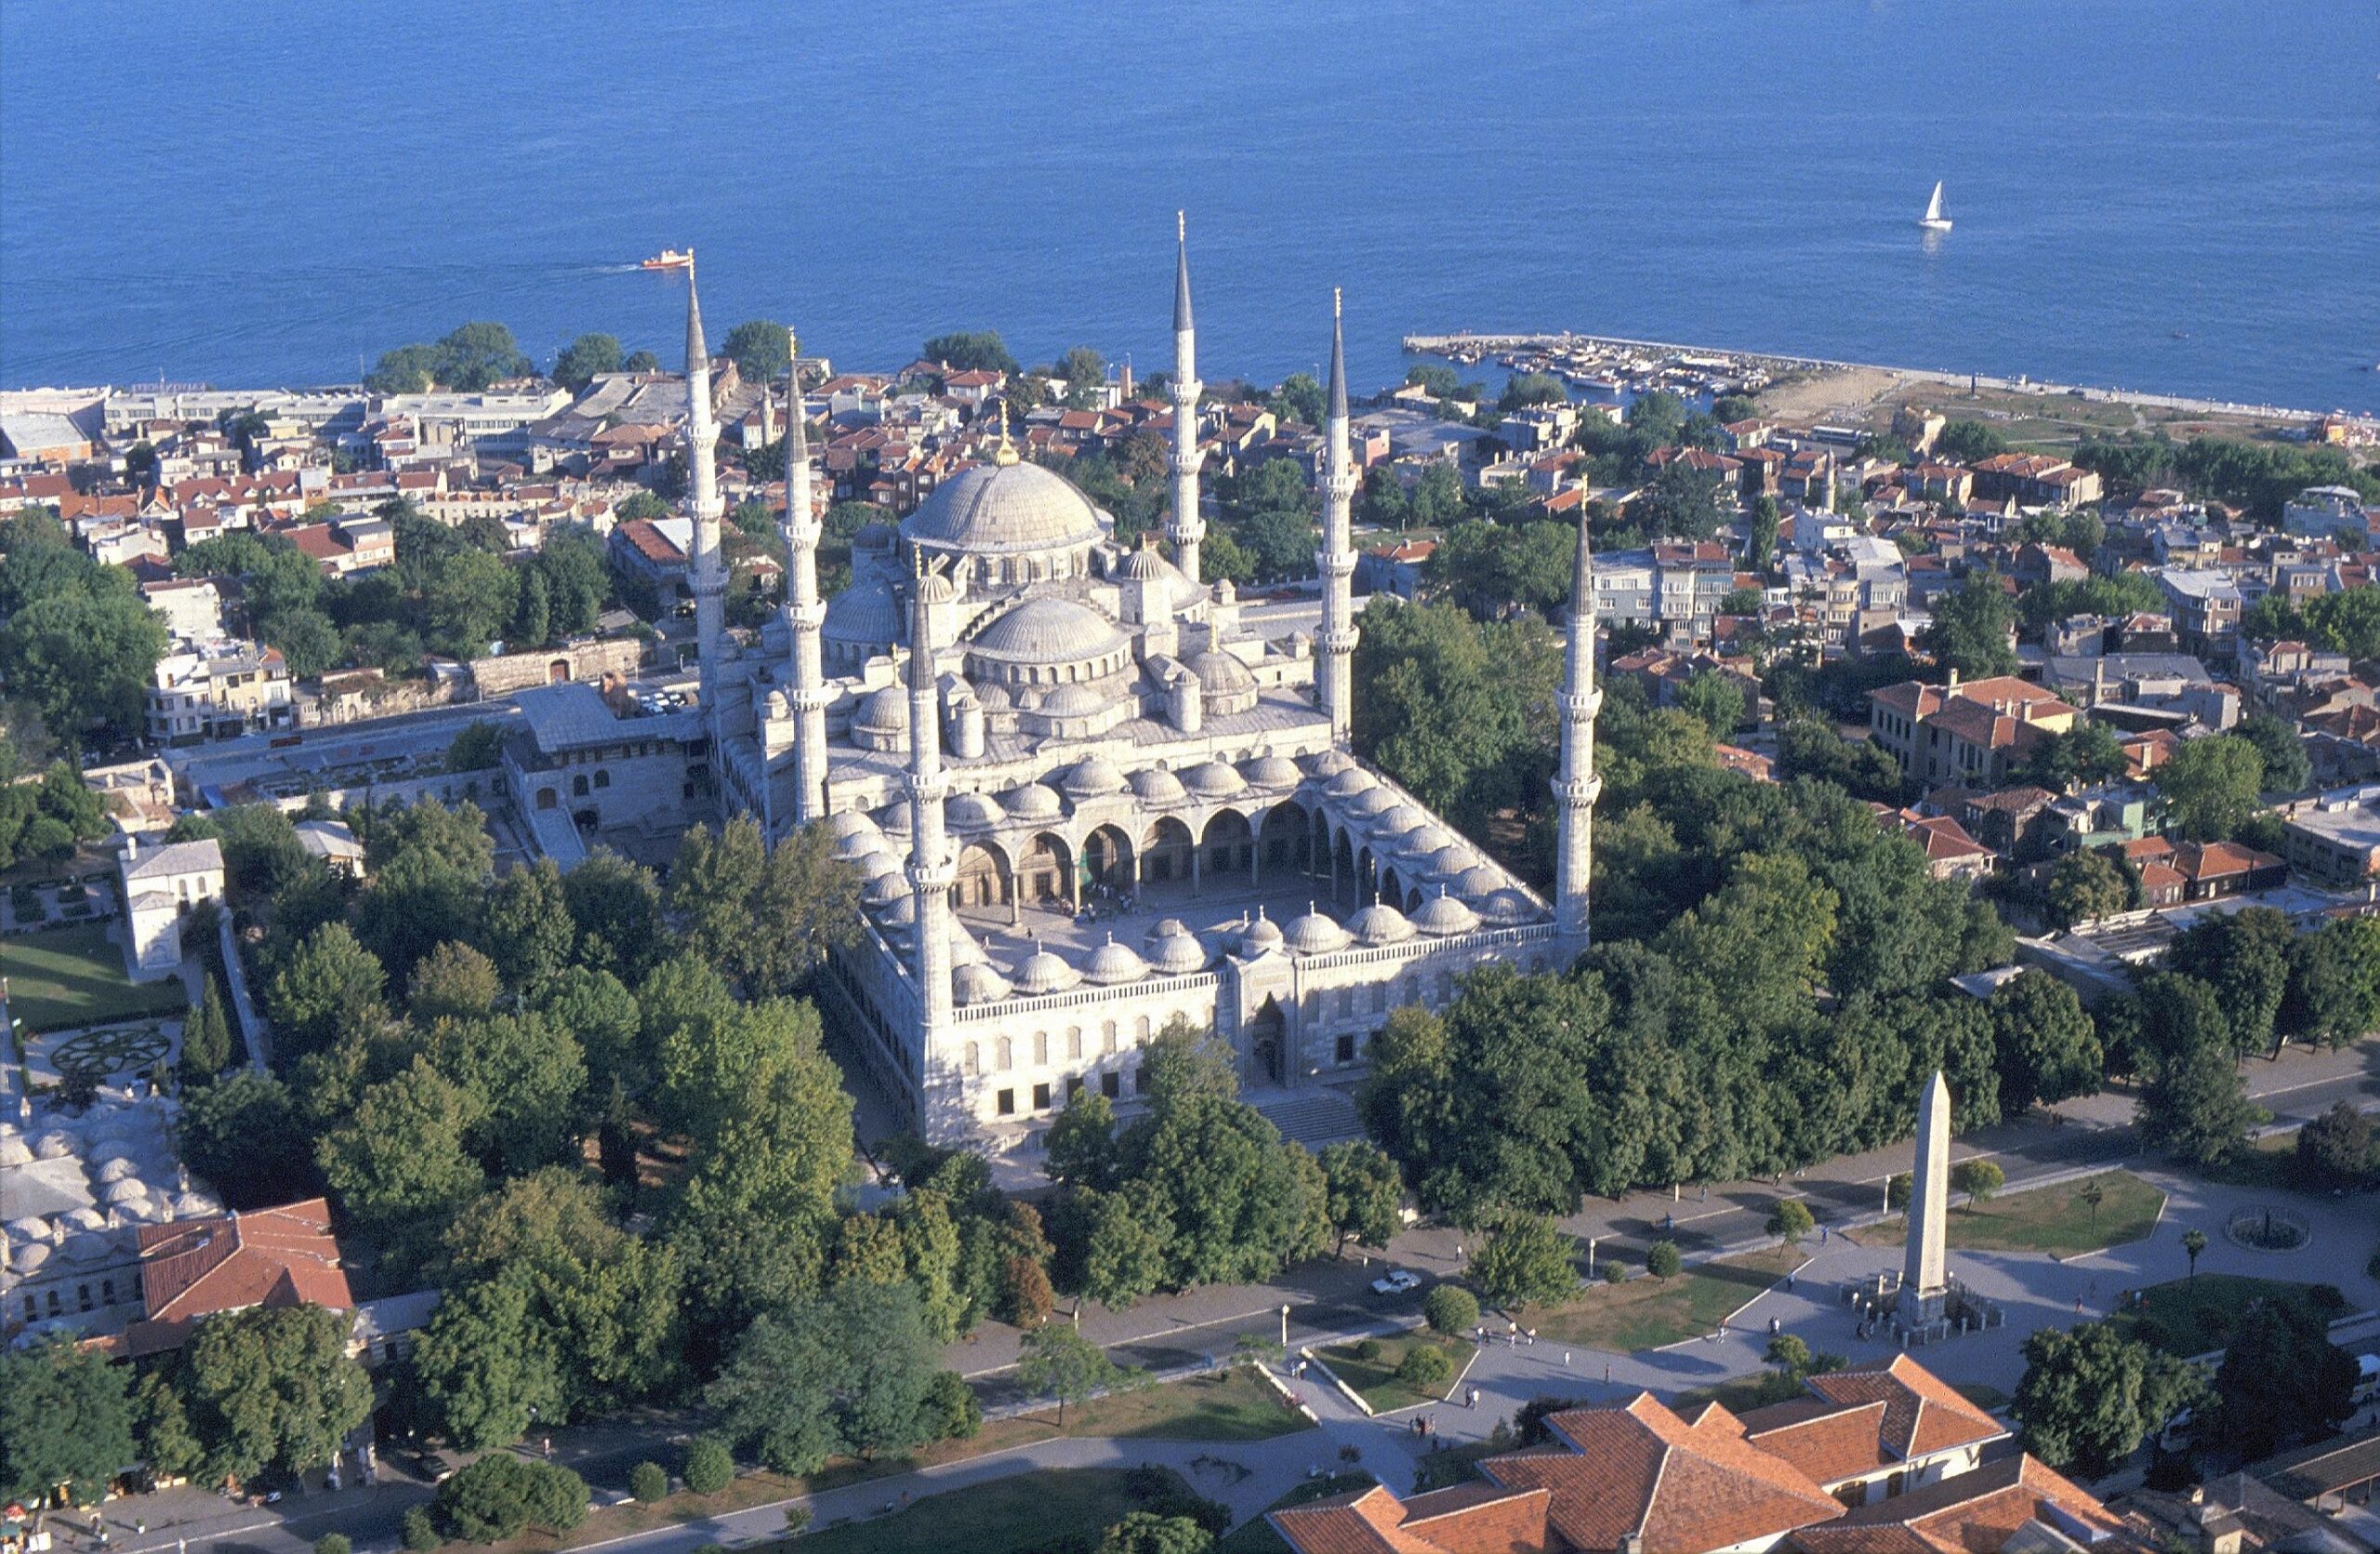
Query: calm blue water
point(264, 192)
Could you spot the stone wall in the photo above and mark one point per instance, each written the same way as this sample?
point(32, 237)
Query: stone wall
point(590, 662)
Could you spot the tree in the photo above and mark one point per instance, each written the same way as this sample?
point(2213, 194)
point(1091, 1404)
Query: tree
point(65, 1421)
point(466, 360)
point(1964, 442)
point(1683, 502)
point(2195, 1106)
point(1979, 1179)
point(709, 1466)
point(1060, 1363)
point(1080, 1149)
point(1716, 700)
point(501, 1495)
point(486, 1368)
point(401, 1158)
point(530, 933)
point(2091, 1395)
point(2281, 1380)
point(1973, 629)
point(453, 982)
point(2287, 767)
point(2336, 1149)
point(334, 1543)
point(82, 650)
point(1425, 1368)
point(760, 348)
point(329, 986)
point(2085, 886)
point(2333, 995)
point(1156, 1532)
point(617, 904)
point(1451, 1308)
point(847, 1372)
point(525, 1081)
point(1366, 1193)
point(649, 1482)
point(207, 1039)
point(2048, 1048)
point(1663, 1259)
point(962, 352)
point(242, 1133)
point(1760, 540)
point(2193, 1242)
point(1300, 399)
point(2083, 755)
point(1526, 1261)
point(1791, 1221)
point(479, 747)
point(585, 359)
point(2210, 786)
point(271, 1387)
point(2093, 1195)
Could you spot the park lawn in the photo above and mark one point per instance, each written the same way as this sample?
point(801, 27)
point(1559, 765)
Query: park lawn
point(63, 978)
point(1256, 1535)
point(1013, 1515)
point(1649, 1312)
point(2052, 1219)
point(1234, 1405)
point(2270, 1162)
point(2193, 1316)
point(1376, 1379)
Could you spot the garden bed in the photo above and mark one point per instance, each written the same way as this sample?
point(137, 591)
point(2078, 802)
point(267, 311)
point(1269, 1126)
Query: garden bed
point(2193, 1316)
point(1373, 1376)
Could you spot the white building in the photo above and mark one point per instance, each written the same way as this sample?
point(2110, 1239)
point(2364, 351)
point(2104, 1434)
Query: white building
point(191, 607)
point(218, 690)
point(161, 885)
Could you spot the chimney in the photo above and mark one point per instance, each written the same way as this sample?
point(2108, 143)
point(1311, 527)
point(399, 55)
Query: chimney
point(1953, 689)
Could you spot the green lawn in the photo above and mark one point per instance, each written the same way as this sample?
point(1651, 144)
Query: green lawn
point(1648, 1312)
point(2192, 1316)
point(62, 978)
point(1236, 1405)
point(2270, 1162)
point(2052, 1219)
point(1256, 1535)
point(1015, 1515)
point(1376, 1377)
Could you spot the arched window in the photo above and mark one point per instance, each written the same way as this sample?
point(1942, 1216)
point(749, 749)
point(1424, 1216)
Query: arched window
point(1074, 1044)
point(578, 785)
point(1141, 1031)
point(1041, 1049)
point(602, 777)
point(972, 1063)
point(1107, 1038)
point(1007, 1053)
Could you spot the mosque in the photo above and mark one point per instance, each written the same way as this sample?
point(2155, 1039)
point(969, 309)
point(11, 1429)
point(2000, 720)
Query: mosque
point(1084, 798)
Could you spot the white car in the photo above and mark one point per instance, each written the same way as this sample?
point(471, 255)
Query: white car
point(1396, 1284)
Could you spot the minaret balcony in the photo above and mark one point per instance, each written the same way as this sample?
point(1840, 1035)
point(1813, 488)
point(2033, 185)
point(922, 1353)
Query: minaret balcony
point(1576, 790)
point(1341, 641)
point(1580, 704)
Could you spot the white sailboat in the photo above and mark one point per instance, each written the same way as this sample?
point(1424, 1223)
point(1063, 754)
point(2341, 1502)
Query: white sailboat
point(1933, 221)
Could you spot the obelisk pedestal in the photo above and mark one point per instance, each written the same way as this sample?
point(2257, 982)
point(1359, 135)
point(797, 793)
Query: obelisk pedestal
point(1923, 1288)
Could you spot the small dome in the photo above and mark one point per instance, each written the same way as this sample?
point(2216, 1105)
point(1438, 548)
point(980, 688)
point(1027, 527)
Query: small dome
point(1093, 778)
point(1329, 762)
point(1260, 936)
point(1270, 771)
point(1075, 700)
point(884, 711)
point(1045, 972)
point(28, 1228)
point(14, 1152)
point(977, 983)
point(1158, 786)
point(115, 1171)
point(964, 950)
point(1371, 801)
point(993, 697)
point(865, 615)
point(1178, 955)
point(936, 588)
point(876, 863)
point(1111, 963)
point(860, 839)
point(1167, 926)
point(193, 1203)
point(849, 822)
point(53, 1144)
point(895, 818)
point(88, 1247)
point(1220, 673)
point(875, 537)
point(1032, 802)
point(1380, 923)
point(1213, 780)
point(973, 812)
point(1507, 906)
point(28, 1258)
point(1450, 861)
point(1349, 780)
point(1442, 914)
point(1423, 842)
point(1399, 819)
point(1314, 933)
point(885, 889)
point(901, 912)
point(1477, 883)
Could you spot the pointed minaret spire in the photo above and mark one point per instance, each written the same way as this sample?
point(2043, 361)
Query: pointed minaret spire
point(1576, 785)
point(1336, 560)
point(1183, 527)
point(805, 612)
point(702, 441)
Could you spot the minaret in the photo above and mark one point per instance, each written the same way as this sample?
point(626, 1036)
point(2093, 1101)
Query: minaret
point(932, 871)
point(708, 575)
point(1337, 557)
point(1185, 528)
point(1576, 785)
point(804, 614)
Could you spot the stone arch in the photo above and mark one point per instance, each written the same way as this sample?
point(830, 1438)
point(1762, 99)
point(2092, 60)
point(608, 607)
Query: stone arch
point(986, 878)
point(1228, 846)
point(1286, 839)
point(1344, 887)
point(558, 671)
point(1107, 859)
point(1412, 900)
point(1165, 852)
point(1046, 870)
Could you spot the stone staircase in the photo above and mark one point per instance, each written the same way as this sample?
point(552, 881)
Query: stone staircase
point(1310, 1117)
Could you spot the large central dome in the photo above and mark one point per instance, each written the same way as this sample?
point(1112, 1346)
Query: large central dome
point(996, 510)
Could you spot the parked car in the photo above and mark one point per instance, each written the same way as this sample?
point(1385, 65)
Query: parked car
point(1397, 1282)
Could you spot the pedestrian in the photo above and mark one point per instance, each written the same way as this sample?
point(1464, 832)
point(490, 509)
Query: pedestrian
point(547, 1443)
point(2078, 1306)
point(1789, 1284)
point(1822, 1234)
point(1772, 1327)
point(1606, 1372)
point(1566, 1360)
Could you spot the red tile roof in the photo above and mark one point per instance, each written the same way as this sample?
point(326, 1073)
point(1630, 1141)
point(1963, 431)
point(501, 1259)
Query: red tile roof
point(196, 1267)
point(1923, 1414)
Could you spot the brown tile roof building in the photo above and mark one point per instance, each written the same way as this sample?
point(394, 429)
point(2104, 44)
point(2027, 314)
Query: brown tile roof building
point(196, 1267)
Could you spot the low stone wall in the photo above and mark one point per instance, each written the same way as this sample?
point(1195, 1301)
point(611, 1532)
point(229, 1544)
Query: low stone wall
point(590, 662)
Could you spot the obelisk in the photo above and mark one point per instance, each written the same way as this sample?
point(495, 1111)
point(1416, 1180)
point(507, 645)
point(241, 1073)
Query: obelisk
point(1921, 1284)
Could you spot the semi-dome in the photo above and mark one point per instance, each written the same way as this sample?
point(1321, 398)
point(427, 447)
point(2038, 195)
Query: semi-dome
point(1049, 633)
point(1092, 777)
point(1348, 781)
point(1442, 914)
point(1314, 933)
point(865, 618)
point(973, 812)
point(1075, 700)
point(1177, 953)
point(1380, 923)
point(1256, 937)
point(977, 983)
point(1328, 764)
point(1220, 673)
point(1114, 964)
point(901, 912)
point(1032, 802)
point(894, 818)
point(1045, 972)
point(849, 822)
point(1003, 509)
point(1212, 780)
point(1270, 771)
point(1158, 786)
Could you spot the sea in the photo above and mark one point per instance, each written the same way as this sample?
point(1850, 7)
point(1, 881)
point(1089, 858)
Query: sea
point(2179, 198)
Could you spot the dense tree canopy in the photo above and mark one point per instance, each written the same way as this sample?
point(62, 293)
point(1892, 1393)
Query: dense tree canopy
point(2090, 1396)
point(65, 1421)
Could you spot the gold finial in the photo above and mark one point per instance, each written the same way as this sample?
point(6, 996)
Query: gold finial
point(1005, 454)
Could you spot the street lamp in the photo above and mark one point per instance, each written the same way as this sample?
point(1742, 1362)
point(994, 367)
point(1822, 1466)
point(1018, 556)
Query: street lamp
point(1590, 1255)
point(1285, 1327)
